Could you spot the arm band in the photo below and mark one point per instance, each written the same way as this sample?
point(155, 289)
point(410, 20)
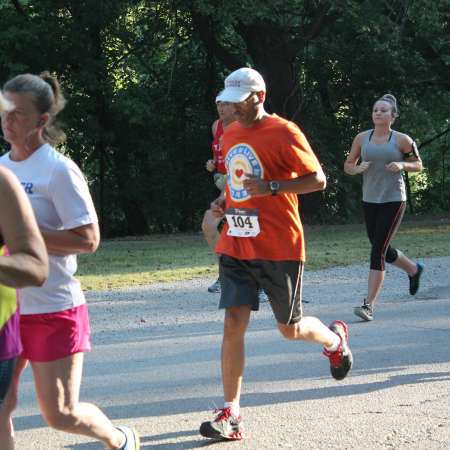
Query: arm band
point(413, 152)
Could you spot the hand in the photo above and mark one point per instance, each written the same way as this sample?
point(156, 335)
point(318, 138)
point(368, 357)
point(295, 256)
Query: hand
point(210, 165)
point(394, 167)
point(217, 207)
point(256, 187)
point(362, 167)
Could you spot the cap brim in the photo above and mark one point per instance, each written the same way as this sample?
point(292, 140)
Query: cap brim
point(232, 95)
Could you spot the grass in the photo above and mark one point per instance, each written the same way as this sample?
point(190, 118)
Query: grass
point(133, 262)
point(163, 258)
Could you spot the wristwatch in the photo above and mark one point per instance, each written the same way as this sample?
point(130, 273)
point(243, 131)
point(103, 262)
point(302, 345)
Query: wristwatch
point(274, 187)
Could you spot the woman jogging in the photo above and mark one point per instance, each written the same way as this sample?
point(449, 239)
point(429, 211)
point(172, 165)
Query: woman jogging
point(54, 320)
point(384, 154)
point(23, 262)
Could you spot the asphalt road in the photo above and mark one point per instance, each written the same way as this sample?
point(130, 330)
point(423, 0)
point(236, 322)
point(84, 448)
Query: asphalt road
point(155, 366)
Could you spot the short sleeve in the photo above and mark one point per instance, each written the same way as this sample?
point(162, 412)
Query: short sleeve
point(71, 197)
point(298, 154)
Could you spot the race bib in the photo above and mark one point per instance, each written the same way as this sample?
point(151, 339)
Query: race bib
point(242, 222)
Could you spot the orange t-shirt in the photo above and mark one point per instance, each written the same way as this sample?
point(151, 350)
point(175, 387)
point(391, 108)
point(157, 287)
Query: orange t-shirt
point(273, 149)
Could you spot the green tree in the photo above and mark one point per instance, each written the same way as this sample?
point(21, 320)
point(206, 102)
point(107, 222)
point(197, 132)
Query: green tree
point(141, 77)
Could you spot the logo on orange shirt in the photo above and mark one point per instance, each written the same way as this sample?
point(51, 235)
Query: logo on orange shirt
point(241, 159)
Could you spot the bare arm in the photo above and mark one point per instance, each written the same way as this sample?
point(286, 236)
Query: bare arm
point(313, 182)
point(218, 205)
point(211, 163)
point(84, 239)
point(412, 162)
point(27, 264)
point(214, 127)
point(351, 166)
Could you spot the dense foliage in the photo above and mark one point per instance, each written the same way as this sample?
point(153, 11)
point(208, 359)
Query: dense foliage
point(141, 78)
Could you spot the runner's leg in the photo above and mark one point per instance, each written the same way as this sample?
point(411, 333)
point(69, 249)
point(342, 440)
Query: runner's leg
point(233, 354)
point(404, 263)
point(8, 406)
point(382, 222)
point(57, 388)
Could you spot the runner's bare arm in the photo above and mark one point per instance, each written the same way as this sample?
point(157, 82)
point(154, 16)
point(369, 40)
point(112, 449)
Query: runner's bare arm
point(313, 182)
point(84, 239)
point(27, 264)
point(351, 166)
point(214, 127)
point(413, 162)
point(218, 205)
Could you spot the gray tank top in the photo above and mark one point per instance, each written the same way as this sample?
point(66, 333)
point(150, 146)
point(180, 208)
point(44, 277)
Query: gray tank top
point(380, 185)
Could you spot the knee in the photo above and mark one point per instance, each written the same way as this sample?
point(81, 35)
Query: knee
point(9, 404)
point(289, 332)
point(62, 419)
point(235, 324)
point(391, 255)
point(377, 259)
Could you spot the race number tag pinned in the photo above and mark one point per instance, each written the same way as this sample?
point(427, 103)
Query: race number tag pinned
point(242, 222)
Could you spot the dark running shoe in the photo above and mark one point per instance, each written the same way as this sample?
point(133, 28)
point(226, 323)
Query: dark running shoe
point(415, 279)
point(365, 311)
point(224, 426)
point(341, 360)
point(215, 287)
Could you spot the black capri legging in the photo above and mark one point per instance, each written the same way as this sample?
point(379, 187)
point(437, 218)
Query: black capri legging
point(382, 221)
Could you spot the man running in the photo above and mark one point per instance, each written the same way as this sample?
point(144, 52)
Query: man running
point(211, 224)
point(269, 162)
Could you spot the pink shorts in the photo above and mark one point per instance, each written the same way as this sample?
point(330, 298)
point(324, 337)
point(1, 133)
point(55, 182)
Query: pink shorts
point(52, 336)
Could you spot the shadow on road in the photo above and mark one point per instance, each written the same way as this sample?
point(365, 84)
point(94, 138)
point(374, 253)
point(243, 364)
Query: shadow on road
point(189, 405)
point(146, 442)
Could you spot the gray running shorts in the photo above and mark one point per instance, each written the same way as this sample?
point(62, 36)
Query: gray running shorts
point(281, 281)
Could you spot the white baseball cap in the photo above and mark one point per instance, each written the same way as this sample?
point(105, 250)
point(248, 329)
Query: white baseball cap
point(218, 97)
point(240, 84)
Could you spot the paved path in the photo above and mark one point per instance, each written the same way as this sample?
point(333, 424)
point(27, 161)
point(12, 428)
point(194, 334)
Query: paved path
point(155, 366)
